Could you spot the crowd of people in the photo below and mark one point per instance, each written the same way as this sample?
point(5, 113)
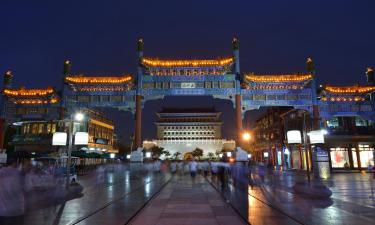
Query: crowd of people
point(223, 171)
point(25, 185)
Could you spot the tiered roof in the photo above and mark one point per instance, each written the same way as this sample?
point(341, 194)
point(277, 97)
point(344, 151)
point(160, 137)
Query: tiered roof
point(32, 96)
point(187, 67)
point(110, 83)
point(278, 78)
point(80, 79)
point(187, 63)
point(346, 93)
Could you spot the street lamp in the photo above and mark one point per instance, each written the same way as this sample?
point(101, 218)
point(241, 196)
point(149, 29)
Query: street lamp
point(246, 136)
point(78, 116)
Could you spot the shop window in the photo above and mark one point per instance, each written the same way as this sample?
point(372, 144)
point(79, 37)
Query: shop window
point(366, 155)
point(53, 128)
point(34, 129)
point(339, 157)
point(359, 122)
point(40, 128)
point(332, 123)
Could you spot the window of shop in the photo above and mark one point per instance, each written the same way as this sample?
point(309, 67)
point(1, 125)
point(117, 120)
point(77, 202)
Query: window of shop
point(366, 155)
point(359, 122)
point(339, 156)
point(40, 128)
point(296, 159)
point(332, 123)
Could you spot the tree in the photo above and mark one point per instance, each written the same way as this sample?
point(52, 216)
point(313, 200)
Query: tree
point(157, 151)
point(176, 155)
point(197, 153)
point(210, 155)
point(166, 153)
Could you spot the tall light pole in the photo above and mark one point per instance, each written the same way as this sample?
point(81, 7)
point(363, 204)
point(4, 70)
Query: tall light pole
point(73, 117)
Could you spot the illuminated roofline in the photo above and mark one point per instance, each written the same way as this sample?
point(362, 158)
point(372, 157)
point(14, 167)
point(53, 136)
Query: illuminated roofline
point(28, 92)
point(349, 89)
point(279, 78)
point(98, 80)
point(187, 63)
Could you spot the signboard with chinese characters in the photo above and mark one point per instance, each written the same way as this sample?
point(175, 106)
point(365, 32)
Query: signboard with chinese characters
point(81, 138)
point(59, 138)
point(321, 163)
point(188, 85)
point(294, 137)
point(316, 137)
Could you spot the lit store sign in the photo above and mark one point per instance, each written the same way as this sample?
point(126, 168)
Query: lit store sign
point(81, 138)
point(59, 138)
point(187, 85)
point(294, 137)
point(316, 137)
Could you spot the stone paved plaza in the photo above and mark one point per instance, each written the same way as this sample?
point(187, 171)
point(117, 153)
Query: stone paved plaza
point(183, 202)
point(127, 195)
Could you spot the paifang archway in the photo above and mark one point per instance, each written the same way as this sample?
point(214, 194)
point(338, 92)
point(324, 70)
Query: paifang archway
point(220, 78)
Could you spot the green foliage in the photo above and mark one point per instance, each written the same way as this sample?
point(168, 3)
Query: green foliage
point(211, 155)
point(176, 155)
point(158, 151)
point(197, 153)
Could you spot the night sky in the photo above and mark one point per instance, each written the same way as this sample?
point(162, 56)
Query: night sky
point(99, 37)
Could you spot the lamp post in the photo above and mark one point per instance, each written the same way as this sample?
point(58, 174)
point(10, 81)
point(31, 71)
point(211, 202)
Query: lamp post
point(73, 117)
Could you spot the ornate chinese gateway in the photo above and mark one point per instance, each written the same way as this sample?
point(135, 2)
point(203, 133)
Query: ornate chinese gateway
point(218, 77)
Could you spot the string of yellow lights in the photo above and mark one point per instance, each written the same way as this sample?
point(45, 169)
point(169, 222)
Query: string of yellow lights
point(97, 80)
point(278, 78)
point(350, 89)
point(28, 92)
point(185, 63)
point(36, 101)
point(343, 99)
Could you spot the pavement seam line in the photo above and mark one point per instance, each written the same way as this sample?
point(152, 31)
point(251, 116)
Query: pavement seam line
point(145, 204)
point(221, 195)
point(108, 204)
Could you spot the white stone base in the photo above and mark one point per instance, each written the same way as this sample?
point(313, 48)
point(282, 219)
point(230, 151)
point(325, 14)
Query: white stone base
point(185, 146)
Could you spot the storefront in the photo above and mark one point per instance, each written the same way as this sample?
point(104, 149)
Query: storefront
point(352, 156)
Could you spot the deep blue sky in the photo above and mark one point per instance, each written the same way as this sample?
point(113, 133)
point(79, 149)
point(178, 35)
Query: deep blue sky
point(99, 37)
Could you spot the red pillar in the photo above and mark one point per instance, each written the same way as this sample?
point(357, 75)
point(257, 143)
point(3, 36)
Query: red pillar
point(138, 121)
point(238, 119)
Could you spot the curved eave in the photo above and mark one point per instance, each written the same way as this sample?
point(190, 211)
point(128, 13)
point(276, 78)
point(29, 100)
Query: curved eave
point(99, 80)
point(22, 92)
point(158, 63)
point(349, 89)
point(282, 78)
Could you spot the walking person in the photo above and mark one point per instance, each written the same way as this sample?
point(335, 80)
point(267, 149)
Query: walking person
point(193, 166)
point(173, 167)
point(180, 167)
point(214, 170)
point(12, 201)
point(205, 167)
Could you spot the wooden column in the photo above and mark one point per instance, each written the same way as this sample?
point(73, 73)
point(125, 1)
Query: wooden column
point(138, 121)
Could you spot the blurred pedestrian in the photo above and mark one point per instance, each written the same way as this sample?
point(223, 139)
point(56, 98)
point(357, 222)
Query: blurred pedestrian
point(193, 166)
point(173, 167)
point(180, 167)
point(205, 167)
point(12, 202)
point(214, 170)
